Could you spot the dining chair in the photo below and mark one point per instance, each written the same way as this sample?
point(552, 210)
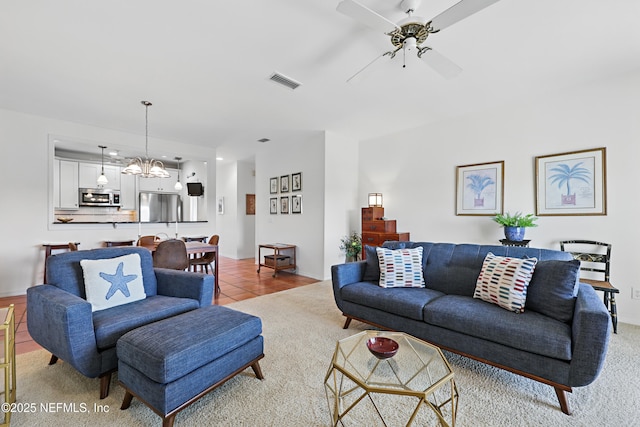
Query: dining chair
point(207, 259)
point(171, 254)
point(595, 261)
point(73, 246)
point(146, 240)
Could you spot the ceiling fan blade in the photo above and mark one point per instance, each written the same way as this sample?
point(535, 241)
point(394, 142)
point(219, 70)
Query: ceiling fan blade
point(458, 12)
point(363, 14)
point(366, 66)
point(440, 63)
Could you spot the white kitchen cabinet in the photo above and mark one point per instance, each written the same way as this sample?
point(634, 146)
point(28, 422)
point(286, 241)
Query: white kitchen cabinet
point(65, 191)
point(89, 173)
point(128, 193)
point(165, 185)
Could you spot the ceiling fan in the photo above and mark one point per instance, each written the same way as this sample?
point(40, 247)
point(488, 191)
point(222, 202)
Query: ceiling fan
point(408, 34)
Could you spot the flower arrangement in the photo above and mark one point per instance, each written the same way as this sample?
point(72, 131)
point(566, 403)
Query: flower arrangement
point(351, 245)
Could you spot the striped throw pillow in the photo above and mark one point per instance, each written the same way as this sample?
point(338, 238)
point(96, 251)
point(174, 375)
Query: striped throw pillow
point(400, 268)
point(504, 280)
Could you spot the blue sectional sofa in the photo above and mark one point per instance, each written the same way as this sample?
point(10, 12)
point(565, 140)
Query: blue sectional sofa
point(61, 320)
point(560, 339)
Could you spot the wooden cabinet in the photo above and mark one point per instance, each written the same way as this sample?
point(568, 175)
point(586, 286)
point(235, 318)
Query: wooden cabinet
point(65, 184)
point(376, 231)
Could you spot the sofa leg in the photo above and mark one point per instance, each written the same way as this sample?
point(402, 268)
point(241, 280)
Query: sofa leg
point(257, 370)
point(53, 360)
point(562, 398)
point(347, 323)
point(105, 382)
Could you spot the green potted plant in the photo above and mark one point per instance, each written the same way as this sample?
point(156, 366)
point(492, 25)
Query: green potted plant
point(351, 245)
point(514, 225)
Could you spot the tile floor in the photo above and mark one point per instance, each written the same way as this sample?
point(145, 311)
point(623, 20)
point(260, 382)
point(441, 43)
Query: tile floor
point(239, 280)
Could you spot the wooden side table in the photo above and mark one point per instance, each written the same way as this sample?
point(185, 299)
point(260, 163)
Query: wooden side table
point(282, 258)
point(8, 360)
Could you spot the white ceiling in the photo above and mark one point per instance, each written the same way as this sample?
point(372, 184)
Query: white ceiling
point(205, 65)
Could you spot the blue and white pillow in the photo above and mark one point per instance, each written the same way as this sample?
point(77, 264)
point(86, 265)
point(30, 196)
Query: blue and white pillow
point(400, 268)
point(112, 281)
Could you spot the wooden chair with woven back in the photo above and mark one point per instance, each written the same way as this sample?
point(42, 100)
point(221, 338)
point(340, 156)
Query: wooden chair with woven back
point(595, 262)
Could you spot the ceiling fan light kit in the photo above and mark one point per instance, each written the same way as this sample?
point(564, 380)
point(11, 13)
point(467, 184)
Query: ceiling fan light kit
point(409, 33)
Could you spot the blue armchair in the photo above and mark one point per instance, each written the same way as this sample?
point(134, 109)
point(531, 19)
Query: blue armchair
point(60, 319)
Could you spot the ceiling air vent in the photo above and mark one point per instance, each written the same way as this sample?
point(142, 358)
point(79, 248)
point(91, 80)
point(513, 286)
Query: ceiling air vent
point(263, 140)
point(284, 80)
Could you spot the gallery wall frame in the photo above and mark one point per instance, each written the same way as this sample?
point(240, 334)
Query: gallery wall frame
point(284, 205)
point(296, 204)
point(273, 206)
point(480, 189)
point(284, 183)
point(572, 183)
point(273, 185)
point(296, 181)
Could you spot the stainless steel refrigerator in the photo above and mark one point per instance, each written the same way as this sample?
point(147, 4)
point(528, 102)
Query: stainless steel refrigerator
point(160, 207)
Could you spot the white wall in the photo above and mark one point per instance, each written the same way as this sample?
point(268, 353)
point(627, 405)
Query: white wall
point(236, 228)
point(303, 230)
point(247, 223)
point(342, 208)
point(415, 170)
point(24, 212)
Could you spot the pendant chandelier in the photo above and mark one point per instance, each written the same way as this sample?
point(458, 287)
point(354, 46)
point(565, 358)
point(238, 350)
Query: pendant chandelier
point(147, 168)
point(102, 179)
point(178, 185)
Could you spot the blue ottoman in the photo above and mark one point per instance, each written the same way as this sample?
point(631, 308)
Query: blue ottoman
point(172, 363)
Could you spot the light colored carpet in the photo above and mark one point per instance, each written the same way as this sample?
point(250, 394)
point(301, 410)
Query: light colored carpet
point(301, 327)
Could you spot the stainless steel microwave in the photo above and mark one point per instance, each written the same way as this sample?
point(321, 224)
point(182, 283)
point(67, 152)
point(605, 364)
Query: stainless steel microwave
point(98, 197)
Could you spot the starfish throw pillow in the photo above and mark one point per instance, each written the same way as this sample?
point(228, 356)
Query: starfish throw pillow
point(112, 281)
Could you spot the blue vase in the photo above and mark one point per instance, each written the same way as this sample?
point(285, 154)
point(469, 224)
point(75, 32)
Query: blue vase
point(515, 234)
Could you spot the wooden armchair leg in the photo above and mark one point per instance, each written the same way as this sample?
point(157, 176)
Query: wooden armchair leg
point(105, 382)
point(53, 360)
point(347, 323)
point(562, 398)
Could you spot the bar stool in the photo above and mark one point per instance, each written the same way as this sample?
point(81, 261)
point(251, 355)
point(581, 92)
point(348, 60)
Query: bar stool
point(50, 247)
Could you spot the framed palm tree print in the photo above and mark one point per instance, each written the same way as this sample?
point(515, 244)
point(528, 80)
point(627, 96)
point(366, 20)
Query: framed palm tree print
point(573, 183)
point(480, 188)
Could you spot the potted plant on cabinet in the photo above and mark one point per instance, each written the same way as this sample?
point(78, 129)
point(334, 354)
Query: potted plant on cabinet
point(514, 225)
point(351, 245)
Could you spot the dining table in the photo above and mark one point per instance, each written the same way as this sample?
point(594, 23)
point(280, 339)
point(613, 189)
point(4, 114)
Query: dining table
point(196, 247)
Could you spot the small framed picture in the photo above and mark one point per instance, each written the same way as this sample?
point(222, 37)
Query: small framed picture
point(284, 184)
point(296, 204)
point(284, 205)
point(220, 205)
point(273, 205)
point(273, 185)
point(250, 204)
point(296, 181)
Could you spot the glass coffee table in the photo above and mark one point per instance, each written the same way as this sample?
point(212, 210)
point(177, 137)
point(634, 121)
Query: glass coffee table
point(414, 386)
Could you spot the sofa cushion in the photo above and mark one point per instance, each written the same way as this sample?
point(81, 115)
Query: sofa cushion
point(112, 281)
point(400, 268)
point(504, 280)
point(553, 289)
point(529, 331)
point(406, 302)
point(372, 269)
point(114, 322)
